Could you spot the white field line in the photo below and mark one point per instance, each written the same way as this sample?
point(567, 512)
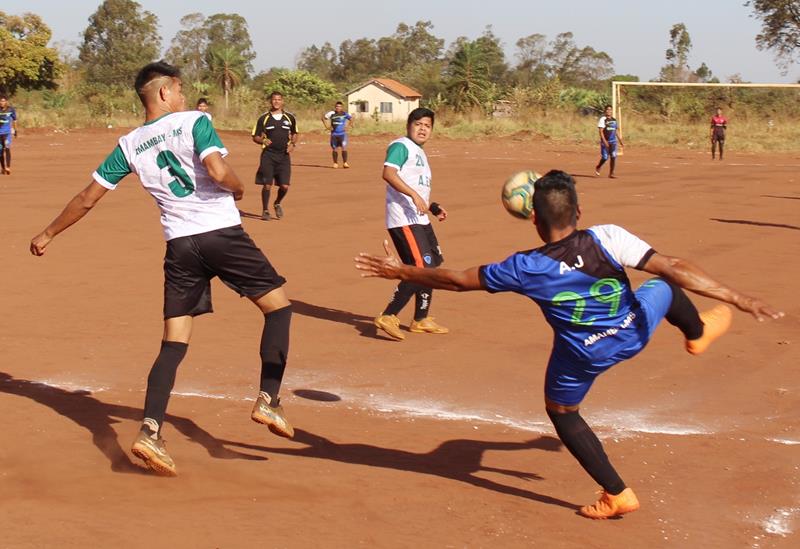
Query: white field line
point(619, 424)
point(781, 521)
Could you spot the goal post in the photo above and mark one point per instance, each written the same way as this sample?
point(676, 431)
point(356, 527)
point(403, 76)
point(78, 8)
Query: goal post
point(616, 89)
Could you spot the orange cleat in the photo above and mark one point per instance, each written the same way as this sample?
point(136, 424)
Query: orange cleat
point(609, 505)
point(716, 322)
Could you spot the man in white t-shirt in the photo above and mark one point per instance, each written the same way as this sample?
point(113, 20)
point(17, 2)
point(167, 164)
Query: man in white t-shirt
point(408, 188)
point(179, 159)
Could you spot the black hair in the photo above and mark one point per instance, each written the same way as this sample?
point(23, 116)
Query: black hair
point(555, 200)
point(202, 100)
point(151, 71)
point(274, 93)
point(418, 114)
point(608, 107)
point(339, 103)
point(3, 96)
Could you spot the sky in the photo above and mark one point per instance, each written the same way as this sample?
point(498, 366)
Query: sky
point(633, 32)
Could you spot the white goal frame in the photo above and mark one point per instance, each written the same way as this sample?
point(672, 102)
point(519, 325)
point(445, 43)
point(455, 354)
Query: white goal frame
point(616, 96)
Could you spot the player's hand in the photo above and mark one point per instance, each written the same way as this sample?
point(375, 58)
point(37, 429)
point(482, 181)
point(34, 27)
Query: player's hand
point(376, 266)
point(442, 215)
point(290, 147)
point(760, 310)
point(420, 204)
point(39, 243)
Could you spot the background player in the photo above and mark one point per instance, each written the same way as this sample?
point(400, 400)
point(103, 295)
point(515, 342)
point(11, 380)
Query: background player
point(408, 188)
point(178, 157)
point(340, 122)
point(718, 126)
point(202, 106)
point(8, 128)
point(610, 136)
point(276, 132)
point(578, 279)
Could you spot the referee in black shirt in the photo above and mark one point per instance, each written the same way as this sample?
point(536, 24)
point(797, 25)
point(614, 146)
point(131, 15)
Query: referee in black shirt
point(276, 132)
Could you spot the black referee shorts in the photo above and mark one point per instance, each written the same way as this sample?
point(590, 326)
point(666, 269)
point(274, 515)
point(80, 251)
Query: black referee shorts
point(192, 261)
point(275, 167)
point(417, 245)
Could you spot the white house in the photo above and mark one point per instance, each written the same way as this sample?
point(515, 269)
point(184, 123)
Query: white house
point(382, 98)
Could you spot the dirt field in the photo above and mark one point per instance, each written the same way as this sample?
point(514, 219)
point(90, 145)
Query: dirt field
point(438, 441)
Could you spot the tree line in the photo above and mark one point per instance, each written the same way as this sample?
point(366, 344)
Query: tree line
point(216, 55)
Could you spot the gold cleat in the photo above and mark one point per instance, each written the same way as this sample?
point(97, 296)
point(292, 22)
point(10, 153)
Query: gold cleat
point(391, 325)
point(272, 416)
point(427, 326)
point(154, 454)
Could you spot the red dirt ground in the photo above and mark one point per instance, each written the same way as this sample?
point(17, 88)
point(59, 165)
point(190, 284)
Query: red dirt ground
point(438, 441)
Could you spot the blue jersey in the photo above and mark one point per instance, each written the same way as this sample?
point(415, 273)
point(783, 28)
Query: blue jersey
point(581, 286)
point(338, 122)
point(609, 126)
point(7, 116)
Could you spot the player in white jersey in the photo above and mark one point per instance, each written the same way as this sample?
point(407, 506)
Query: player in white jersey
point(408, 189)
point(179, 159)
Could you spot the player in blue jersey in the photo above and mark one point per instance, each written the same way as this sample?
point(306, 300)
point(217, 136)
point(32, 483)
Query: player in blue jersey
point(179, 159)
point(578, 279)
point(610, 138)
point(8, 128)
point(338, 122)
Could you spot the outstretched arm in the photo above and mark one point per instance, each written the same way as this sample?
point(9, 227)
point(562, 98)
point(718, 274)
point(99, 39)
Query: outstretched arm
point(689, 276)
point(390, 267)
point(75, 209)
point(223, 174)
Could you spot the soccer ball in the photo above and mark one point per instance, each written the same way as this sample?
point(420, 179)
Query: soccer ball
point(517, 194)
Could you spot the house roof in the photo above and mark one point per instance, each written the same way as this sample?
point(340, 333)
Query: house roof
point(392, 86)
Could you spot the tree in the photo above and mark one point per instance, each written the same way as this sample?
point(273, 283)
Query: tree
point(188, 47)
point(120, 39)
point(780, 28)
point(302, 87)
point(468, 83)
point(319, 60)
point(357, 60)
point(531, 60)
point(229, 30)
point(27, 61)
point(225, 65)
point(420, 45)
point(680, 44)
point(493, 54)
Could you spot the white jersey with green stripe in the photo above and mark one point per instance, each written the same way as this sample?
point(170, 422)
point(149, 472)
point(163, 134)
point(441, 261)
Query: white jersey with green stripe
point(412, 166)
point(167, 154)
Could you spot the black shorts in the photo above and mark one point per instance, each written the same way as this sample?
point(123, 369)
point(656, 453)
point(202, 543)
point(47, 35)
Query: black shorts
point(192, 261)
point(718, 136)
point(274, 167)
point(417, 245)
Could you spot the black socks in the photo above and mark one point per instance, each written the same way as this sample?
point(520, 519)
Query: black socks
point(582, 443)
point(683, 314)
point(281, 193)
point(265, 197)
point(274, 350)
point(160, 382)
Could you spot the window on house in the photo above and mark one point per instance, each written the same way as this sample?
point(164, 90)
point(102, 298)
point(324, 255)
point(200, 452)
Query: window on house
point(362, 106)
point(386, 108)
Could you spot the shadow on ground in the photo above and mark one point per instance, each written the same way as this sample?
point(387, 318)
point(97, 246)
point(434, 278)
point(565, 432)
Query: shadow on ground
point(97, 417)
point(757, 223)
point(458, 460)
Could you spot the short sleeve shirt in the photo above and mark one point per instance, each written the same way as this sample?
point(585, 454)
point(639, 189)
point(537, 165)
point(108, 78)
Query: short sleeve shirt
point(7, 117)
point(167, 154)
point(338, 122)
point(278, 128)
point(581, 286)
point(412, 166)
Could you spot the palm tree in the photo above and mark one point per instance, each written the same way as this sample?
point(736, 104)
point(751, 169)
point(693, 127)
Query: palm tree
point(225, 65)
point(468, 84)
